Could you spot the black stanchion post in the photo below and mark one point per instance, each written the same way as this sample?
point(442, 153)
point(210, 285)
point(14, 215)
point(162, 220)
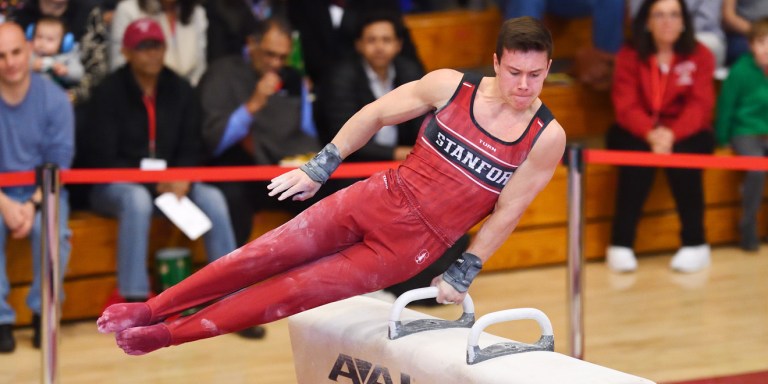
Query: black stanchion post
point(48, 179)
point(575, 163)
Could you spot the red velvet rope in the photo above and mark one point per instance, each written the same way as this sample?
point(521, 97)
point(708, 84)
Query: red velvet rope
point(360, 170)
point(675, 161)
point(253, 173)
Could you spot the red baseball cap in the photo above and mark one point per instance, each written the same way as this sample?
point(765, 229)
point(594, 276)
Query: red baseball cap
point(142, 30)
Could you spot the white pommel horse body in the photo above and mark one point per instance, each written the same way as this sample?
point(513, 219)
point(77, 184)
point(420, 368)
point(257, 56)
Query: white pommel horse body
point(362, 340)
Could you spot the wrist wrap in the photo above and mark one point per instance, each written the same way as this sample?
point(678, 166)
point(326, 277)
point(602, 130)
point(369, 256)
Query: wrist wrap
point(321, 166)
point(461, 273)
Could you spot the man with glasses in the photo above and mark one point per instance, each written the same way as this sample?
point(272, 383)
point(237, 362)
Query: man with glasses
point(256, 112)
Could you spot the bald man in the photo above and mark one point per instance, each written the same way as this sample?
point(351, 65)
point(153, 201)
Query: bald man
point(36, 127)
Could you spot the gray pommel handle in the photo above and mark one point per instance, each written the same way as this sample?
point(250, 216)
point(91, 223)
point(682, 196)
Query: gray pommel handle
point(397, 329)
point(545, 343)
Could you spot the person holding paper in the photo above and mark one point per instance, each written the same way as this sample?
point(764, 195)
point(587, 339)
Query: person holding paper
point(144, 115)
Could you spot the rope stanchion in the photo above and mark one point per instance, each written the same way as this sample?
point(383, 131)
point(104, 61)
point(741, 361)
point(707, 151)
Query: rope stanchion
point(50, 284)
point(576, 159)
point(575, 163)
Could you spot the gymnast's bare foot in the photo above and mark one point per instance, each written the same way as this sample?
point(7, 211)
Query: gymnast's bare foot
point(118, 317)
point(142, 340)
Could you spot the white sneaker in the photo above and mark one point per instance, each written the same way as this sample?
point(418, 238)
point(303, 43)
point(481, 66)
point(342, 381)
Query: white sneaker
point(620, 259)
point(691, 259)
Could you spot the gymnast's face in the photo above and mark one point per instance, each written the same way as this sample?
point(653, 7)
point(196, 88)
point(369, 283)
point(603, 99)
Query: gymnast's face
point(520, 76)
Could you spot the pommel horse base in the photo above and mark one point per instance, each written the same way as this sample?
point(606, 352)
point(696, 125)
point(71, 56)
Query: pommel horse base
point(359, 341)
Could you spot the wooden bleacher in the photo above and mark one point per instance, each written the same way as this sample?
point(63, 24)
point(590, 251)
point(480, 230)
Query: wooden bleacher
point(456, 39)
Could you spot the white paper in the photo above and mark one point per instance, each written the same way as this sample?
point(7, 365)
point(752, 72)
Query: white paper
point(184, 214)
point(148, 164)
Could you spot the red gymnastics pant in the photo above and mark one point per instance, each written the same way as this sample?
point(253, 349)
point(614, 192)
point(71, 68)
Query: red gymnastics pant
point(358, 240)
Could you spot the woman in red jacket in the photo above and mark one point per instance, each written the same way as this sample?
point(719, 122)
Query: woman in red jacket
point(663, 96)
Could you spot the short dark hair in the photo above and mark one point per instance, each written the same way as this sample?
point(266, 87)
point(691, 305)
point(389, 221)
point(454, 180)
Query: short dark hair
point(381, 16)
point(524, 34)
point(642, 40)
point(262, 27)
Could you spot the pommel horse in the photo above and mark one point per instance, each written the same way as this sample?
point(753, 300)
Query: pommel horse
point(362, 340)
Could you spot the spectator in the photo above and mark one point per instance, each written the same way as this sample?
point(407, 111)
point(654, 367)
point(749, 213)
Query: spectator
point(360, 80)
point(73, 13)
point(742, 122)
point(230, 22)
point(327, 30)
point(184, 24)
point(375, 70)
point(36, 127)
point(54, 52)
point(663, 95)
point(594, 65)
point(738, 16)
point(256, 111)
point(707, 21)
point(145, 111)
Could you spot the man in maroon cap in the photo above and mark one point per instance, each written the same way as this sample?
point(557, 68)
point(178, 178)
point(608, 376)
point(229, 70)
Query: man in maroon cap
point(146, 116)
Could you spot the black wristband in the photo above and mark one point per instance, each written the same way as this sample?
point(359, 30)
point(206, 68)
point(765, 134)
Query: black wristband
point(323, 164)
point(461, 273)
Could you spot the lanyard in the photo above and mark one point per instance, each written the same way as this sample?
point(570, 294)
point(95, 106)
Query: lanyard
point(659, 81)
point(149, 104)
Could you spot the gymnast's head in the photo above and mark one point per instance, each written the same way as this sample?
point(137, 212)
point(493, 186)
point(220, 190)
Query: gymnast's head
point(522, 60)
point(524, 34)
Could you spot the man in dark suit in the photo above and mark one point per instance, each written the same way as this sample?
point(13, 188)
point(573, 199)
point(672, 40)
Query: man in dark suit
point(328, 28)
point(357, 81)
point(376, 69)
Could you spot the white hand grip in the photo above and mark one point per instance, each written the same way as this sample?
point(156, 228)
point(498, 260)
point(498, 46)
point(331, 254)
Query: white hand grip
point(396, 329)
point(546, 342)
point(420, 294)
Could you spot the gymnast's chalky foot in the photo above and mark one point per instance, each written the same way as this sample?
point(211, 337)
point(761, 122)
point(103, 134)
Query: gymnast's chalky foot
point(142, 340)
point(118, 317)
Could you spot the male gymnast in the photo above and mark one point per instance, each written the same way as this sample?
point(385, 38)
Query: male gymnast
point(488, 146)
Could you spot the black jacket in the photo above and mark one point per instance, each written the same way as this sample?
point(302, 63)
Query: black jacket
point(346, 90)
point(322, 45)
point(117, 130)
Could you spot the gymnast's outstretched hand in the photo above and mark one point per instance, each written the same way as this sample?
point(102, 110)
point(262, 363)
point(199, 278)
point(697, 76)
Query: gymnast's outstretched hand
point(295, 183)
point(446, 294)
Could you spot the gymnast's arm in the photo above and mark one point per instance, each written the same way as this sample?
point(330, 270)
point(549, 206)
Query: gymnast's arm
point(403, 103)
point(529, 179)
